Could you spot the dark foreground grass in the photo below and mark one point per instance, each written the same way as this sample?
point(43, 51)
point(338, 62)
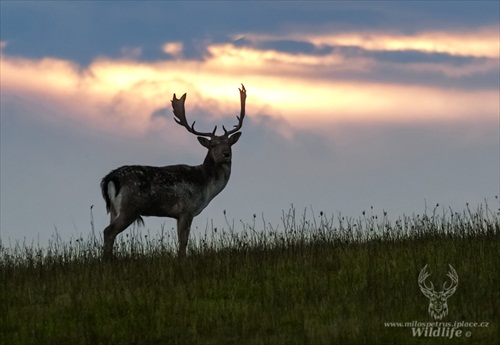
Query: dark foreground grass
point(323, 281)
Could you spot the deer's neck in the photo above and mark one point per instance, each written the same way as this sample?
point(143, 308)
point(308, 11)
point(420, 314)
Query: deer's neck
point(216, 171)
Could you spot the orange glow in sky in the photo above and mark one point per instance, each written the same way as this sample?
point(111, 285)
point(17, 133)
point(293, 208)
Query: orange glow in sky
point(483, 42)
point(284, 84)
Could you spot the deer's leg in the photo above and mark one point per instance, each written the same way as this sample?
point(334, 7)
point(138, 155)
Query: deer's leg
point(183, 228)
point(117, 225)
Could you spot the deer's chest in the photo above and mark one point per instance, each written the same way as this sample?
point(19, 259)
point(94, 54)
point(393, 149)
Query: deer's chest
point(186, 197)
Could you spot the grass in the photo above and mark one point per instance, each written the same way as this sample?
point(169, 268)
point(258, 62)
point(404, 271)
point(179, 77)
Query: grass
point(312, 280)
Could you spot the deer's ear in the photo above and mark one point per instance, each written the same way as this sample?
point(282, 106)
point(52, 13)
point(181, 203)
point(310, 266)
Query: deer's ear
point(234, 138)
point(204, 142)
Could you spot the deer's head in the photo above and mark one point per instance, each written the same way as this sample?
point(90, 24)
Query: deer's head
point(219, 146)
point(438, 305)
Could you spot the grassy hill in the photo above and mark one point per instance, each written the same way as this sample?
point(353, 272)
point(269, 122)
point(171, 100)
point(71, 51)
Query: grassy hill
point(313, 280)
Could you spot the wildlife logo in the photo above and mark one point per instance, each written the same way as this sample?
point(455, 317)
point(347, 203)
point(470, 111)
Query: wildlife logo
point(438, 304)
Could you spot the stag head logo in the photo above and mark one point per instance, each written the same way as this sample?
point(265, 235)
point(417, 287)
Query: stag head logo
point(438, 305)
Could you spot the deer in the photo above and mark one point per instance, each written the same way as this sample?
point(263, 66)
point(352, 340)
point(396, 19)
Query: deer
point(438, 304)
point(175, 191)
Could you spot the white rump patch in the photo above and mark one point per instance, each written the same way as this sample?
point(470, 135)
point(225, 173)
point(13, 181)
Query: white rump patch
point(111, 190)
point(116, 200)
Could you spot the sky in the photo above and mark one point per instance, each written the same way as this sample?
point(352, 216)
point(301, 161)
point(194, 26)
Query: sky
point(351, 106)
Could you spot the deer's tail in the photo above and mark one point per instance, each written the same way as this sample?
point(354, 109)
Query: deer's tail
point(110, 187)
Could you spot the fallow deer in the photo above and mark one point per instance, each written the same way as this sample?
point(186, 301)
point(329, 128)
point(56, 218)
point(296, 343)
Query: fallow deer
point(175, 191)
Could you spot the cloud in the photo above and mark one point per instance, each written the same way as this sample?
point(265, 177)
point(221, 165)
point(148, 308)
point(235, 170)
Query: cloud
point(309, 80)
point(481, 42)
point(131, 53)
point(452, 54)
point(174, 49)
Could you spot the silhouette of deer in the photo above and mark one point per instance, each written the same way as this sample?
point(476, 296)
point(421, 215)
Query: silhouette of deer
point(175, 191)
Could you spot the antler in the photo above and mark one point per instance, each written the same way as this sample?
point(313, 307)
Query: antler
point(452, 274)
point(180, 117)
point(421, 282)
point(243, 96)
